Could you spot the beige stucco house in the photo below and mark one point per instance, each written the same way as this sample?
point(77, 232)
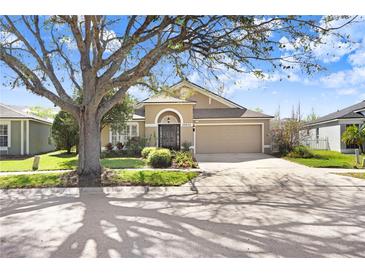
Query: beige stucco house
point(208, 122)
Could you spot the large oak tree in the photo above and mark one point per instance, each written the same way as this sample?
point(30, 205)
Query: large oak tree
point(99, 54)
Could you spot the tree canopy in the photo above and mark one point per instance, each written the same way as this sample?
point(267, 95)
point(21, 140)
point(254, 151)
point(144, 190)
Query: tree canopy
point(100, 53)
point(43, 112)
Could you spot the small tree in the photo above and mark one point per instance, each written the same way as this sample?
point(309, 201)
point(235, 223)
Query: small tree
point(258, 109)
point(287, 136)
point(311, 116)
point(65, 131)
point(117, 117)
point(354, 135)
point(42, 112)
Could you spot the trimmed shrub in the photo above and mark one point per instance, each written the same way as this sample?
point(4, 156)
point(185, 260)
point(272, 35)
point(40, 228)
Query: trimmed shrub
point(185, 160)
point(113, 154)
point(146, 151)
point(300, 152)
point(160, 158)
point(109, 147)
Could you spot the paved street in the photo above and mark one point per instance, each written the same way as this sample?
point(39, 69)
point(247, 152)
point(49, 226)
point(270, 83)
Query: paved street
point(249, 206)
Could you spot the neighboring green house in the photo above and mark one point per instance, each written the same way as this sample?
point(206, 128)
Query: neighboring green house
point(22, 133)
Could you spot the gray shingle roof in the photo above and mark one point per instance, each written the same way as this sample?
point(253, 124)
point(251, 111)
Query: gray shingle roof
point(14, 112)
point(227, 113)
point(346, 113)
point(139, 112)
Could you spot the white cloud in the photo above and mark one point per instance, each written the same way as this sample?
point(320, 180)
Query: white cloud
point(238, 82)
point(194, 77)
point(344, 79)
point(286, 44)
point(355, 29)
point(69, 42)
point(358, 57)
point(114, 43)
point(244, 82)
point(347, 91)
point(139, 92)
point(332, 49)
point(7, 38)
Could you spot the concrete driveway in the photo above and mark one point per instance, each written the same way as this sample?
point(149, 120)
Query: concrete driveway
point(222, 161)
point(239, 209)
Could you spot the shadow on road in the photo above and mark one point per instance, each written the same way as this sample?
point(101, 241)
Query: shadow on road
point(276, 221)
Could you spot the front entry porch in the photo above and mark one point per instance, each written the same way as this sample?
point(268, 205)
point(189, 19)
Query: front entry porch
point(169, 136)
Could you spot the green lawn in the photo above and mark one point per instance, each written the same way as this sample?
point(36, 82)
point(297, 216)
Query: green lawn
point(123, 162)
point(355, 175)
point(153, 178)
point(31, 180)
point(329, 159)
point(127, 177)
point(61, 160)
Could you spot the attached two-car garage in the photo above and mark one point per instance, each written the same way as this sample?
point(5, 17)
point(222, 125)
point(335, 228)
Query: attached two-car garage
point(229, 138)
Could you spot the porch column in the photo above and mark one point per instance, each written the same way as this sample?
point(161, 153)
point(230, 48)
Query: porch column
point(194, 138)
point(27, 137)
point(21, 137)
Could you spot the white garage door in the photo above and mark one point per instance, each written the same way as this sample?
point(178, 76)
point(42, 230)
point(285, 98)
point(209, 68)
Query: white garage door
point(229, 138)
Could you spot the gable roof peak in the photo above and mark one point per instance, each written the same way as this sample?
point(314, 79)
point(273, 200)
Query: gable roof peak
point(207, 92)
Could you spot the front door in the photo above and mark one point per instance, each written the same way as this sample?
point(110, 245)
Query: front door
point(169, 136)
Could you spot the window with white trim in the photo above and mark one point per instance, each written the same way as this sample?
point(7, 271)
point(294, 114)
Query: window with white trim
point(4, 135)
point(122, 136)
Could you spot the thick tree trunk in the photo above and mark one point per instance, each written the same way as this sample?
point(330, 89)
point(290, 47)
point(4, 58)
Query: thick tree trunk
point(89, 169)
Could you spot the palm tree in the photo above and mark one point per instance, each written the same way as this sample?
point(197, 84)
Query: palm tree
point(355, 135)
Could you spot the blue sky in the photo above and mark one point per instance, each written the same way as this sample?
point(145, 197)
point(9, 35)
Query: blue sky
point(342, 84)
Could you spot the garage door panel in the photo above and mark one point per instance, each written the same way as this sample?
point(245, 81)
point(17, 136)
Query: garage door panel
point(229, 139)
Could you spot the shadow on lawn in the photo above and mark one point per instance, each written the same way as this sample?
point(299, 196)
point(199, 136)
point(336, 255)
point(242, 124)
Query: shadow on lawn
point(275, 221)
point(64, 163)
point(63, 155)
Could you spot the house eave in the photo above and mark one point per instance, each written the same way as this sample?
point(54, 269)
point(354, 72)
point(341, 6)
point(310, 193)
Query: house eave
point(360, 110)
point(169, 103)
point(333, 120)
point(25, 118)
point(235, 118)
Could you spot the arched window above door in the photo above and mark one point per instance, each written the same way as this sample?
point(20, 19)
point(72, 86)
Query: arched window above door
point(169, 119)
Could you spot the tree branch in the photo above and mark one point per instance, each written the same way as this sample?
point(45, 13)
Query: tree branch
point(33, 83)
